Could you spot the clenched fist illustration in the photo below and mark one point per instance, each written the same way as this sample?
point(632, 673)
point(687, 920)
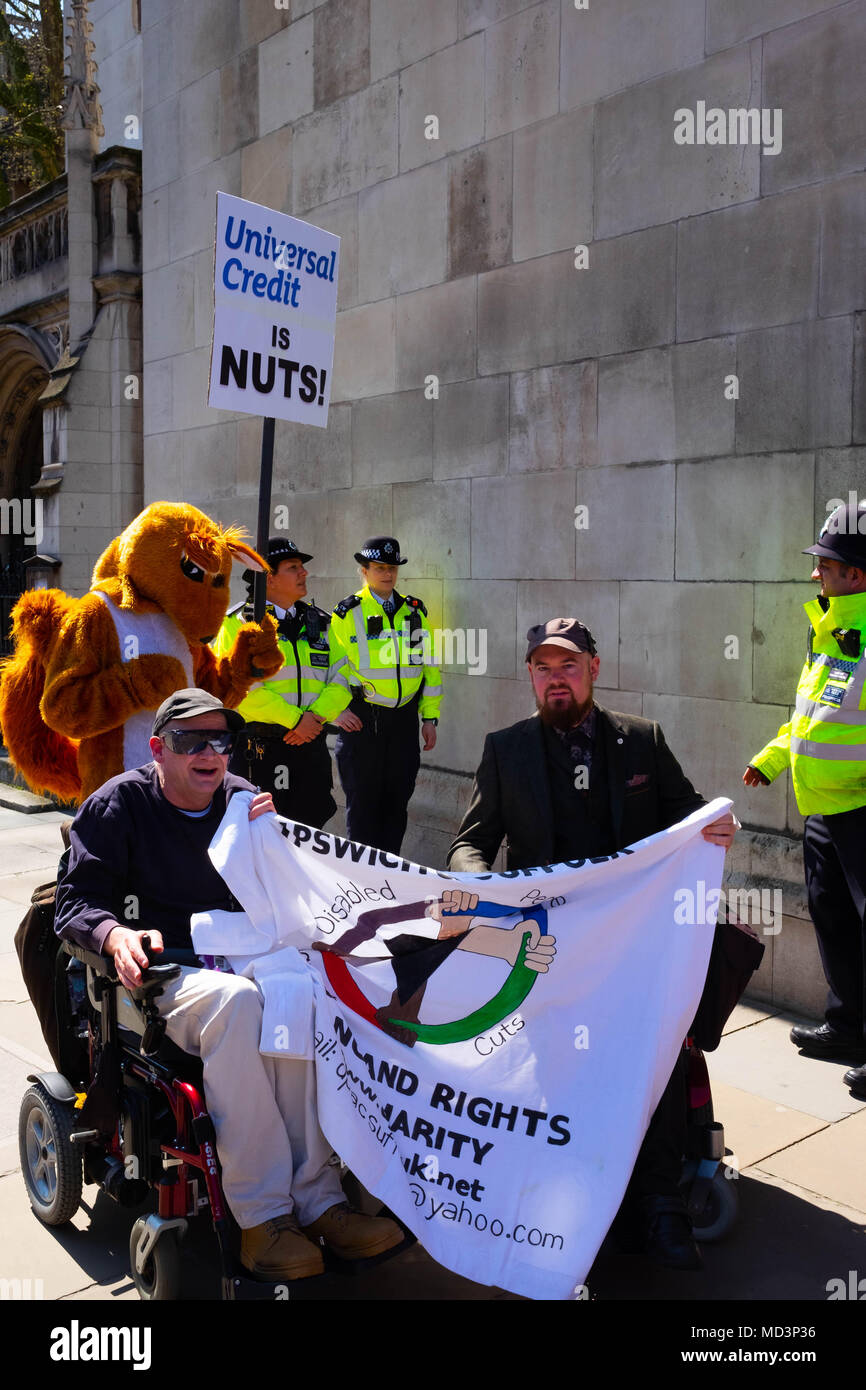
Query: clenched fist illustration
point(540, 949)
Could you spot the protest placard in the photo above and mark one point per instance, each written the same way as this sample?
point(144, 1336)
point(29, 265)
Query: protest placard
point(275, 306)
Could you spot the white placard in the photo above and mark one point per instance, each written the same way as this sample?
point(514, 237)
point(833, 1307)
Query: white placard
point(275, 309)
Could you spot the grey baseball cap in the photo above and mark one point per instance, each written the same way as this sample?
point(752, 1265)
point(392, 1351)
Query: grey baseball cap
point(183, 704)
point(561, 632)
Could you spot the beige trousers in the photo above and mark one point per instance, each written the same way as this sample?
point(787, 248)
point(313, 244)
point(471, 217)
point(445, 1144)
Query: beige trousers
point(274, 1156)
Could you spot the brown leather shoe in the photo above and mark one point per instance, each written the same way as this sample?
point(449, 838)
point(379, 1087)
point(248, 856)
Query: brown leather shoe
point(353, 1236)
point(279, 1250)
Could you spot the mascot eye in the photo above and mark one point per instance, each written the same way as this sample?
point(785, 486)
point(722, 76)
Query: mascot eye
point(219, 581)
point(192, 571)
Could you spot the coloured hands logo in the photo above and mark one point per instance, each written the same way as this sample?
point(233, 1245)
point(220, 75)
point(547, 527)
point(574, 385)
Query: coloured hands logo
point(525, 947)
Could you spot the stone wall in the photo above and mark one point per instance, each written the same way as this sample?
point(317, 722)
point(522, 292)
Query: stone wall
point(118, 55)
point(559, 387)
point(98, 439)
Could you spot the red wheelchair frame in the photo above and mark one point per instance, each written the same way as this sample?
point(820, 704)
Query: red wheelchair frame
point(128, 1113)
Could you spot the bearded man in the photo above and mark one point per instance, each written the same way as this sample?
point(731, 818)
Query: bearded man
point(576, 781)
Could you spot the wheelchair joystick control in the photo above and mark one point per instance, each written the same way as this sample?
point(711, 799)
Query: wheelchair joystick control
point(153, 982)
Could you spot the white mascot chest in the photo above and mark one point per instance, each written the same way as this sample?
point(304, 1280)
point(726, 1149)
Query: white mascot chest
point(144, 634)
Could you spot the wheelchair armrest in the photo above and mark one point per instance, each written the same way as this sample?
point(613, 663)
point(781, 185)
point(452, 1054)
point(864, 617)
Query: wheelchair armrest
point(151, 978)
point(101, 965)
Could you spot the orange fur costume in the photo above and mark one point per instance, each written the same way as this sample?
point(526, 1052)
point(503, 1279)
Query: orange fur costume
point(77, 698)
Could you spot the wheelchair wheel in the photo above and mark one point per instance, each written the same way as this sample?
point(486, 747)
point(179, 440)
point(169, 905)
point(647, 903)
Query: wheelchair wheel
point(720, 1211)
point(159, 1280)
point(50, 1163)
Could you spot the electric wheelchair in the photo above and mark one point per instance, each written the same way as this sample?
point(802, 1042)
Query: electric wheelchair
point(126, 1110)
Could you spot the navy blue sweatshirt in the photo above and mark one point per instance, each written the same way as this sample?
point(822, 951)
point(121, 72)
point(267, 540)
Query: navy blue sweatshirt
point(132, 852)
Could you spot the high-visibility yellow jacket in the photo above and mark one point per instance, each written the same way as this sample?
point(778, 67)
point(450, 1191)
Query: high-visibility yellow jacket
point(825, 742)
point(390, 656)
point(312, 678)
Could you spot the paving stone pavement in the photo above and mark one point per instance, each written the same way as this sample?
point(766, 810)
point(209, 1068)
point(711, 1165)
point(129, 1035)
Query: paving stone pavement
point(798, 1142)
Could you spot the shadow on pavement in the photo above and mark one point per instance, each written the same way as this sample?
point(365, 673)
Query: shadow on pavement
point(782, 1247)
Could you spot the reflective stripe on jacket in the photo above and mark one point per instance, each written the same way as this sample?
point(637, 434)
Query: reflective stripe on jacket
point(824, 743)
point(312, 678)
point(392, 665)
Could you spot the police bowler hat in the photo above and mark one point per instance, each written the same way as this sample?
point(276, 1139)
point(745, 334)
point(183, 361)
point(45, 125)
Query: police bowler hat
point(385, 549)
point(843, 535)
point(279, 548)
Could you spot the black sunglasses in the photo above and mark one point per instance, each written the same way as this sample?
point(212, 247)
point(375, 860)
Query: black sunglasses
point(197, 740)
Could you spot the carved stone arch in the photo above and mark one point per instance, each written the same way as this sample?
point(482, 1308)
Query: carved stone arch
point(27, 355)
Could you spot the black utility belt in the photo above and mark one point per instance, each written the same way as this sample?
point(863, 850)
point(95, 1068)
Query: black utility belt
point(359, 701)
point(274, 733)
point(256, 730)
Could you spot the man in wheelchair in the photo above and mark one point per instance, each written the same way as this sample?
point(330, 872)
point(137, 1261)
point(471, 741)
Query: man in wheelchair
point(139, 853)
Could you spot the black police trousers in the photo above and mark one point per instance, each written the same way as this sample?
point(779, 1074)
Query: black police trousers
point(299, 778)
point(378, 766)
point(834, 858)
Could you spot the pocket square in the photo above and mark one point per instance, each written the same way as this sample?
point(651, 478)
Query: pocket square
point(638, 780)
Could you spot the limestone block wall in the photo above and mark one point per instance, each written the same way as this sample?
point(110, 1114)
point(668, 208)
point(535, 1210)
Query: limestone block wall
point(582, 449)
point(118, 56)
point(99, 441)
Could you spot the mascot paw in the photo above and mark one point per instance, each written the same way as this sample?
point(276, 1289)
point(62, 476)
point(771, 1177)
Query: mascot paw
point(256, 655)
point(153, 677)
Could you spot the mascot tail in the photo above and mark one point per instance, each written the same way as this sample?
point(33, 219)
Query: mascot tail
point(47, 761)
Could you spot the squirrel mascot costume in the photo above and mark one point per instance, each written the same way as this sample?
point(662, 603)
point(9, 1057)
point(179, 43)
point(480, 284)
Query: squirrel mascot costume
point(77, 698)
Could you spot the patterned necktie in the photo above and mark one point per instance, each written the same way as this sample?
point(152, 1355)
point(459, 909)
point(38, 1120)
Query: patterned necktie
point(388, 606)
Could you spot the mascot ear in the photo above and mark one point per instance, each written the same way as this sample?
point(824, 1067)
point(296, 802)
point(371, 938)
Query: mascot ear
point(250, 557)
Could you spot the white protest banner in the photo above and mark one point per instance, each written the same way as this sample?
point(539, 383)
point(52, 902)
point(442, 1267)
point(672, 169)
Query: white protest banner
point(489, 1047)
point(275, 307)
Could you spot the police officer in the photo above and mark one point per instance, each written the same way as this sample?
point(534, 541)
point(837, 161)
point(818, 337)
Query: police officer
point(387, 641)
point(282, 749)
point(824, 744)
